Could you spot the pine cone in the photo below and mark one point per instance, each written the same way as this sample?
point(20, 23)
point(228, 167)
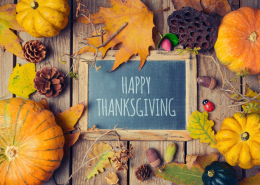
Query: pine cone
point(34, 51)
point(49, 82)
point(142, 172)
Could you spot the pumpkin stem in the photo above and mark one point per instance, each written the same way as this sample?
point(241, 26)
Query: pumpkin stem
point(211, 173)
point(253, 37)
point(34, 5)
point(245, 136)
point(11, 152)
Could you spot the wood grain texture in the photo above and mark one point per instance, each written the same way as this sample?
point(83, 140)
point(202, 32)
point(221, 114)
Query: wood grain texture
point(82, 147)
point(140, 158)
point(55, 47)
point(252, 81)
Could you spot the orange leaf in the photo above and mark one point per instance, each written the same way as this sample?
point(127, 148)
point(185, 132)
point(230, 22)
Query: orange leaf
point(44, 103)
point(70, 139)
point(221, 7)
point(8, 40)
point(200, 159)
point(68, 118)
point(136, 37)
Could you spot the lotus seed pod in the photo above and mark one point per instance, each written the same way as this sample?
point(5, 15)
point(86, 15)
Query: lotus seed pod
point(166, 45)
point(170, 152)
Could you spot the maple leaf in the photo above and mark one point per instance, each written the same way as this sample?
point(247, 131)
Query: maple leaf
point(221, 7)
point(136, 37)
point(99, 163)
point(68, 118)
point(250, 180)
point(8, 40)
point(21, 80)
point(179, 173)
point(201, 128)
point(252, 106)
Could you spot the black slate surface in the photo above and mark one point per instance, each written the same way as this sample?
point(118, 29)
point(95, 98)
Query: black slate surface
point(153, 98)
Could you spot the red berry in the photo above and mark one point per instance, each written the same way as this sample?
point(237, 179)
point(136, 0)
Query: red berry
point(208, 106)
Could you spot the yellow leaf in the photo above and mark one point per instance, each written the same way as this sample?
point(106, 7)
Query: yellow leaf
point(201, 128)
point(246, 107)
point(68, 118)
point(21, 80)
point(98, 164)
point(113, 178)
point(8, 40)
point(70, 139)
point(136, 37)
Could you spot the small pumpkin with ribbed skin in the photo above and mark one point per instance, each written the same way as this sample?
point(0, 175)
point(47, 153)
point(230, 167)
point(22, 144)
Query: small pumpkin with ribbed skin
point(238, 44)
point(31, 143)
point(42, 18)
point(239, 140)
point(219, 173)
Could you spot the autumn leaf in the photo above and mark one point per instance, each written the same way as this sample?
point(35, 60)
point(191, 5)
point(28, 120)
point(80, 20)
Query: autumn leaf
point(113, 178)
point(68, 118)
point(201, 128)
point(44, 103)
point(70, 139)
point(136, 37)
point(21, 80)
point(250, 180)
point(253, 106)
point(8, 40)
point(221, 7)
point(179, 173)
point(99, 163)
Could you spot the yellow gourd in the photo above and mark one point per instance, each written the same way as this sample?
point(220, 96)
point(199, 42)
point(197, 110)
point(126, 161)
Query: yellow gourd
point(239, 140)
point(43, 18)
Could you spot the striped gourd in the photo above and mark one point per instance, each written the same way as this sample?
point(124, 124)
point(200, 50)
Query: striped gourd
point(31, 143)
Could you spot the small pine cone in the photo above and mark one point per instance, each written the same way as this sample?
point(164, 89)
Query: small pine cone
point(142, 172)
point(34, 51)
point(49, 82)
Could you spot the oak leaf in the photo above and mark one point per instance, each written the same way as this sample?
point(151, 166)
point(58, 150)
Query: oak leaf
point(100, 154)
point(221, 7)
point(179, 173)
point(250, 180)
point(113, 178)
point(21, 80)
point(136, 37)
point(8, 40)
point(201, 128)
point(68, 118)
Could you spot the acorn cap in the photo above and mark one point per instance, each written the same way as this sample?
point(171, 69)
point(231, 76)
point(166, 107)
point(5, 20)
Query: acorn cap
point(213, 83)
point(156, 163)
point(171, 37)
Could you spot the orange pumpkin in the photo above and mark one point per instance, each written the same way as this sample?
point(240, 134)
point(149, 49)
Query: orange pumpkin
point(238, 42)
point(31, 143)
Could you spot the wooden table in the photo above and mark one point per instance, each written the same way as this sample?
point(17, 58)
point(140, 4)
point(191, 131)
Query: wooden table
point(67, 42)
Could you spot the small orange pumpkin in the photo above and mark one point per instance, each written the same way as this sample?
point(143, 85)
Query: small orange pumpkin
point(238, 42)
point(31, 143)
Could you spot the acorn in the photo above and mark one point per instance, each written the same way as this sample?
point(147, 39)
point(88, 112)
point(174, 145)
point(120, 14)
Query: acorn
point(170, 152)
point(153, 157)
point(207, 82)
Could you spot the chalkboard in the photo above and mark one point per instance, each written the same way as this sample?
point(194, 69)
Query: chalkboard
point(155, 101)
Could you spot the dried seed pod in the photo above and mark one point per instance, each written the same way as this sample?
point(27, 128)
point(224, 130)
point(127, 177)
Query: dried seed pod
point(206, 81)
point(153, 157)
point(170, 152)
point(193, 28)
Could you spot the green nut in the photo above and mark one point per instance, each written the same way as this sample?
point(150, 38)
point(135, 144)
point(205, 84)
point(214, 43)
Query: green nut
point(170, 152)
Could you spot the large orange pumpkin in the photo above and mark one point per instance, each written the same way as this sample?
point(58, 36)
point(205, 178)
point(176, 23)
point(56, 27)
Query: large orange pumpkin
point(238, 42)
point(31, 143)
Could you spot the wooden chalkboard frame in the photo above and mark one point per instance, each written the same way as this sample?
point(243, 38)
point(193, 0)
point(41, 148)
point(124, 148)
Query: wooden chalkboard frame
point(191, 99)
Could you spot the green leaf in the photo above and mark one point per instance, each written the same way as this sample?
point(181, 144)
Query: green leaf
point(171, 37)
point(179, 173)
point(201, 128)
point(21, 80)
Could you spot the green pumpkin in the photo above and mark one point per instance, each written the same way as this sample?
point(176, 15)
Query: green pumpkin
point(219, 173)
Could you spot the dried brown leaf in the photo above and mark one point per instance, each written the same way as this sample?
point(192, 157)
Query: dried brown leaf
point(112, 179)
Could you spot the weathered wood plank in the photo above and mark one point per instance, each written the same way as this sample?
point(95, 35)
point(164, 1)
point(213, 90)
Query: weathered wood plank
point(79, 151)
point(6, 66)
point(140, 158)
point(55, 47)
point(251, 80)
